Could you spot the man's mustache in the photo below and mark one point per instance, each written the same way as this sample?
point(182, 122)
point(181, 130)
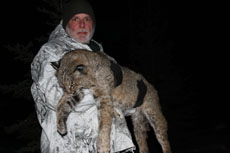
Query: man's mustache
point(82, 30)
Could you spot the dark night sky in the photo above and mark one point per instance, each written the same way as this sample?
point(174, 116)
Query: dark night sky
point(186, 28)
point(189, 30)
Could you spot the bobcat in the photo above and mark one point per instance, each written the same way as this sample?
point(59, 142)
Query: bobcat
point(112, 86)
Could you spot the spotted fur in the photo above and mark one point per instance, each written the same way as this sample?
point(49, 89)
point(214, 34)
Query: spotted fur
point(81, 69)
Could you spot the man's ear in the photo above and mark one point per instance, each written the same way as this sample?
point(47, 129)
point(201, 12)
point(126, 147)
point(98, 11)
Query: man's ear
point(55, 65)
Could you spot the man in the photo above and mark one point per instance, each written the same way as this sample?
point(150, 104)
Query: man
point(74, 32)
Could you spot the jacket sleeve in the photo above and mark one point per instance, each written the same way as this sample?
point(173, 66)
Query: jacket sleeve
point(45, 88)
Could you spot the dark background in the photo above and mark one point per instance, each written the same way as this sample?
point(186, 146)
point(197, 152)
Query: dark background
point(176, 46)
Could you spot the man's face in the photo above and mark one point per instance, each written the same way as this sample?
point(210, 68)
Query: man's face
point(80, 28)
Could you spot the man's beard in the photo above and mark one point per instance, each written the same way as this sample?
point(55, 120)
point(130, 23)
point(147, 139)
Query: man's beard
point(87, 38)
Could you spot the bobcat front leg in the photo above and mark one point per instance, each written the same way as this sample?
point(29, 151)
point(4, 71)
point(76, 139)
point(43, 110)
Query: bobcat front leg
point(106, 113)
point(64, 108)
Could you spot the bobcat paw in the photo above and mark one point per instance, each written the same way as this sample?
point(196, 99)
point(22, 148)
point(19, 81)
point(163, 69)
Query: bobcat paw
point(61, 128)
point(62, 134)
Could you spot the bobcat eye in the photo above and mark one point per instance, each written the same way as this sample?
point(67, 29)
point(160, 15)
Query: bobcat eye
point(80, 68)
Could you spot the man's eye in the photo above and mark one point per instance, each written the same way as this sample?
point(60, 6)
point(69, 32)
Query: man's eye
point(75, 18)
point(87, 19)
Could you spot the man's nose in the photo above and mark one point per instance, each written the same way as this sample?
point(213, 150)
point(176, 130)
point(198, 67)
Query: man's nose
point(82, 24)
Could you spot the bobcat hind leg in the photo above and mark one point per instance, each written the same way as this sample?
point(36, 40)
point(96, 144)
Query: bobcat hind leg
point(159, 124)
point(140, 125)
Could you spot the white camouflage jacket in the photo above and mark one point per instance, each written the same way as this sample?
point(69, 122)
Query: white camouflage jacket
point(82, 124)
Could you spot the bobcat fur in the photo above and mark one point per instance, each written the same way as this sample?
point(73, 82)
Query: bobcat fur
point(112, 86)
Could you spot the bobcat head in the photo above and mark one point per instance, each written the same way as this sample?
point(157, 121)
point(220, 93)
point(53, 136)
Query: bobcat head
point(80, 71)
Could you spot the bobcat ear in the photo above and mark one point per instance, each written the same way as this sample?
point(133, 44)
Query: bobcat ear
point(55, 65)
